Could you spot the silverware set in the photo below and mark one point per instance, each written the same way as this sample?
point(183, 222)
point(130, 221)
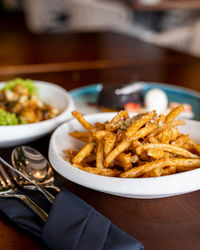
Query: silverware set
point(30, 170)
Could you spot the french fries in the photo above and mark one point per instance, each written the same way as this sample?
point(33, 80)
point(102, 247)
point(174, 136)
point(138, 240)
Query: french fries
point(174, 113)
point(117, 121)
point(99, 155)
point(84, 123)
point(80, 135)
point(125, 161)
point(93, 170)
point(84, 152)
point(168, 148)
point(161, 163)
point(143, 146)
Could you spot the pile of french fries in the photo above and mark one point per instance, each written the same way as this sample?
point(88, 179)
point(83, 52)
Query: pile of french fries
point(146, 145)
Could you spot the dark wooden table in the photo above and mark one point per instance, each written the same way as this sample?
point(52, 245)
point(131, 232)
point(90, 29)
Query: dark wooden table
point(77, 59)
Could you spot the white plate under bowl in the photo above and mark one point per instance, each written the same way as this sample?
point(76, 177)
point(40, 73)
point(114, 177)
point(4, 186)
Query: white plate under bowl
point(155, 187)
point(50, 93)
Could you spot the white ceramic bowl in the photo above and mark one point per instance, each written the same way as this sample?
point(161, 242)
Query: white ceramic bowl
point(51, 94)
point(128, 187)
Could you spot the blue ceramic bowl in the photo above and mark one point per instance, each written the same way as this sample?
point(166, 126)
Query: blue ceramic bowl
point(87, 96)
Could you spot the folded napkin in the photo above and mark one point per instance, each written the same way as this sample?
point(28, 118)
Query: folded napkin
point(71, 224)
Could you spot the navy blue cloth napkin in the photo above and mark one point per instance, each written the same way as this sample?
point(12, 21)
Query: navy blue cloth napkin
point(72, 224)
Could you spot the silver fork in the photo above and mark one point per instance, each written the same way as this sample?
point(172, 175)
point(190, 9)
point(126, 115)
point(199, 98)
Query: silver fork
point(8, 189)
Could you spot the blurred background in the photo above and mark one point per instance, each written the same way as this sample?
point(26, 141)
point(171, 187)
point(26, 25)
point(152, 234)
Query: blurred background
point(169, 23)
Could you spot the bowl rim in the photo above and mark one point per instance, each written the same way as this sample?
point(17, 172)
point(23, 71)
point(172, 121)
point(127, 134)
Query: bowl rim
point(98, 86)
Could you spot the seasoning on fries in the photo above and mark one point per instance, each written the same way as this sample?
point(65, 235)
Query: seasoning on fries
point(146, 145)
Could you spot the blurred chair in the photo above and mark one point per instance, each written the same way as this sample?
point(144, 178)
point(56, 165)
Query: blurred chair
point(195, 43)
point(184, 38)
point(68, 15)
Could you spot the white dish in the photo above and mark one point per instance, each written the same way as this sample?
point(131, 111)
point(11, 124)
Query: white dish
point(51, 94)
point(128, 187)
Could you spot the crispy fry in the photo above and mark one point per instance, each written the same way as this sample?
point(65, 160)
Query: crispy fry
point(120, 136)
point(85, 151)
point(69, 154)
point(160, 172)
point(134, 158)
point(165, 136)
point(181, 162)
point(174, 113)
point(137, 171)
point(152, 139)
point(143, 132)
point(135, 144)
point(168, 125)
point(117, 121)
point(116, 151)
point(181, 140)
point(174, 134)
point(80, 135)
point(161, 120)
point(154, 173)
point(180, 169)
point(144, 156)
point(168, 170)
point(169, 148)
point(101, 134)
point(109, 143)
point(134, 127)
point(109, 138)
point(99, 125)
point(157, 153)
point(84, 123)
point(105, 171)
point(176, 162)
point(195, 147)
point(99, 155)
point(89, 159)
point(125, 161)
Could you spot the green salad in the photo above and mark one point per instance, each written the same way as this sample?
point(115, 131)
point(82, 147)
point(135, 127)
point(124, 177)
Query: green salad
point(7, 118)
point(27, 83)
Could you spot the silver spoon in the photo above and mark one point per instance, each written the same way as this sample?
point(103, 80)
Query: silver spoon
point(8, 189)
point(19, 175)
point(35, 166)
